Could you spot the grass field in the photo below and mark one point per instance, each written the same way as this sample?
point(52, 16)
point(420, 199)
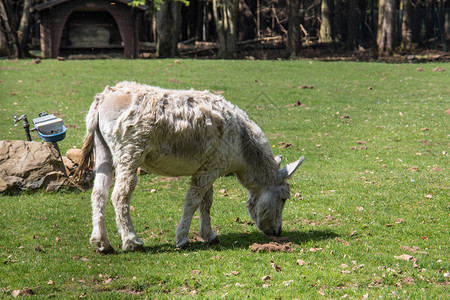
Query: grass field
point(368, 217)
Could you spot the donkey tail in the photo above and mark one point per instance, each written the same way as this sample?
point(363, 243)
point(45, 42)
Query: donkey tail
point(86, 161)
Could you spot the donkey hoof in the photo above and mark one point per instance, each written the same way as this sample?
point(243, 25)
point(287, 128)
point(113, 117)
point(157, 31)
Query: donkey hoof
point(214, 241)
point(104, 249)
point(133, 245)
point(183, 244)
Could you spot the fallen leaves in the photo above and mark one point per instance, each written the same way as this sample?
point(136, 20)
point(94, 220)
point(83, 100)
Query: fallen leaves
point(23, 292)
point(313, 249)
point(413, 249)
point(439, 69)
point(413, 169)
point(298, 104)
point(405, 257)
point(223, 193)
point(284, 145)
point(302, 87)
point(274, 266)
point(231, 273)
point(300, 262)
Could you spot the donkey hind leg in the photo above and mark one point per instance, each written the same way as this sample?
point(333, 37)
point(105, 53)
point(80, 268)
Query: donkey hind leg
point(199, 187)
point(126, 180)
point(207, 234)
point(99, 197)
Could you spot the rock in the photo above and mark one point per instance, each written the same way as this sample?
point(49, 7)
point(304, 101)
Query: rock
point(74, 155)
point(30, 166)
point(70, 165)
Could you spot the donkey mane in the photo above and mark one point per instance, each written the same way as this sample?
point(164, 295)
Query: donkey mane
point(261, 167)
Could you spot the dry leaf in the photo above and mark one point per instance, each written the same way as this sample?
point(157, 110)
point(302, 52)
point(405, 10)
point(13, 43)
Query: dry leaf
point(429, 196)
point(405, 257)
point(288, 282)
point(275, 266)
point(342, 241)
point(413, 250)
point(300, 262)
point(266, 278)
point(439, 69)
point(413, 169)
point(315, 249)
point(408, 280)
point(24, 292)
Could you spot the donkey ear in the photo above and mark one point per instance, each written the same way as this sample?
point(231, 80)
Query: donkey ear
point(289, 169)
point(278, 159)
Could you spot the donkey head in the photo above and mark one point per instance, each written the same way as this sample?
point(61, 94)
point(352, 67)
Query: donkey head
point(266, 207)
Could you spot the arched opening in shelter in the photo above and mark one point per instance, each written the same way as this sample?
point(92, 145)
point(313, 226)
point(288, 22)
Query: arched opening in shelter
point(91, 32)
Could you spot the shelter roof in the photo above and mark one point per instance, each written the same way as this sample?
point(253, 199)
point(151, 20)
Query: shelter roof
point(52, 3)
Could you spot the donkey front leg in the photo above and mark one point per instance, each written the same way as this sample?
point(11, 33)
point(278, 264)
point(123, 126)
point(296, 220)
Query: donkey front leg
point(200, 185)
point(207, 234)
point(126, 180)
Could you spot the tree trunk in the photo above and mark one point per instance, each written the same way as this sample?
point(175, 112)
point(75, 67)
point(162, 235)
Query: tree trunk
point(447, 21)
point(7, 28)
point(352, 24)
point(225, 16)
point(294, 37)
point(326, 34)
point(429, 20)
point(407, 25)
point(386, 27)
point(24, 29)
point(168, 27)
point(338, 22)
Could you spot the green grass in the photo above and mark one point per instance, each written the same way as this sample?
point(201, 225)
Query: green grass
point(361, 206)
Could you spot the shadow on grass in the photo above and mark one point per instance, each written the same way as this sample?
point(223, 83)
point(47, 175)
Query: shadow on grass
point(244, 241)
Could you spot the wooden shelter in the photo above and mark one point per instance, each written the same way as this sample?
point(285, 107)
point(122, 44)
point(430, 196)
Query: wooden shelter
point(88, 27)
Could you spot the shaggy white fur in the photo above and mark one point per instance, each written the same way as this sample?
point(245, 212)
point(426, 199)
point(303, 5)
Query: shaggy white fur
point(178, 133)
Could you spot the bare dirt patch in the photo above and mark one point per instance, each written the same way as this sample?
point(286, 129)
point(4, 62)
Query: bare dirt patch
point(272, 247)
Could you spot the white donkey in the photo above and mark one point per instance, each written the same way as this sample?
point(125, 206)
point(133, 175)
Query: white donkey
point(178, 133)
